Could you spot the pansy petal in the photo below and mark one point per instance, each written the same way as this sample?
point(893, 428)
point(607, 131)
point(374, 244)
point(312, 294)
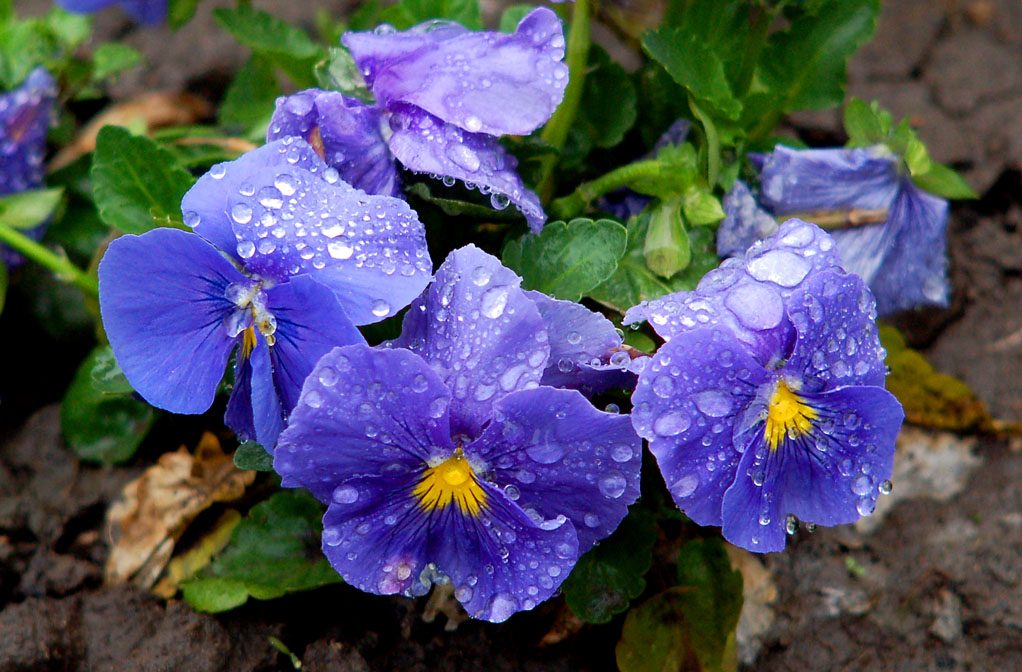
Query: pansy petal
point(686, 404)
point(268, 410)
point(914, 270)
point(238, 415)
point(25, 114)
point(347, 132)
point(467, 78)
point(745, 222)
point(363, 412)
point(370, 250)
point(310, 323)
point(838, 343)
point(502, 561)
point(426, 144)
point(830, 476)
point(555, 454)
point(801, 180)
point(162, 299)
point(480, 333)
point(205, 207)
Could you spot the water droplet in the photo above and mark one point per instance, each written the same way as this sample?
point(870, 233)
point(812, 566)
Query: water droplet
point(473, 123)
point(685, 486)
point(671, 423)
point(241, 213)
point(501, 606)
point(438, 407)
point(791, 524)
point(714, 403)
point(340, 248)
point(885, 487)
point(499, 201)
point(494, 301)
point(480, 276)
point(545, 453)
point(862, 485)
point(246, 249)
point(345, 494)
point(621, 453)
point(313, 399)
point(612, 484)
point(591, 520)
point(381, 308)
point(865, 506)
point(327, 377)
point(286, 184)
point(463, 594)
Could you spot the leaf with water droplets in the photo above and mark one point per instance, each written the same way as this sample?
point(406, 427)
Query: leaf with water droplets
point(608, 577)
point(135, 182)
point(273, 551)
point(567, 260)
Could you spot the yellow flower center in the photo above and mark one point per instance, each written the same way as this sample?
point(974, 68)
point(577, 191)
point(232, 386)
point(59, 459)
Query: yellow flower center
point(789, 416)
point(451, 480)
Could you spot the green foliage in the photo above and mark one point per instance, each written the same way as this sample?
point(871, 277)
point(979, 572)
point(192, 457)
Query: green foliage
point(408, 13)
point(567, 259)
point(106, 374)
point(111, 58)
point(339, 73)
point(695, 67)
point(607, 578)
point(249, 101)
point(253, 457)
point(29, 209)
point(512, 15)
point(667, 248)
point(287, 47)
point(608, 108)
point(180, 12)
point(275, 550)
point(101, 426)
point(136, 184)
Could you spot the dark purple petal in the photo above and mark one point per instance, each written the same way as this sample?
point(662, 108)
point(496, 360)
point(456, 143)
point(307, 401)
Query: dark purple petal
point(466, 78)
point(479, 331)
point(828, 477)
point(238, 415)
point(363, 412)
point(686, 405)
point(551, 452)
point(146, 12)
point(162, 298)
point(25, 114)
point(349, 133)
point(370, 250)
point(800, 180)
point(745, 222)
point(205, 206)
point(838, 343)
point(268, 410)
point(426, 144)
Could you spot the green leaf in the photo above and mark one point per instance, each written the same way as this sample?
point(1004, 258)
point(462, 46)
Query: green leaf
point(944, 182)
point(692, 65)
point(713, 603)
point(722, 26)
point(862, 124)
point(512, 15)
point(608, 108)
point(633, 282)
point(29, 209)
point(249, 101)
point(408, 13)
point(23, 46)
point(98, 426)
point(667, 248)
point(916, 157)
point(607, 578)
point(678, 172)
point(288, 47)
point(180, 12)
point(253, 457)
point(135, 182)
point(111, 58)
point(273, 551)
point(340, 73)
point(567, 260)
point(652, 638)
point(107, 376)
point(456, 207)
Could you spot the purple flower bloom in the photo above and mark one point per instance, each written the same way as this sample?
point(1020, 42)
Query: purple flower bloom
point(903, 259)
point(449, 461)
point(442, 102)
point(767, 398)
point(287, 260)
point(146, 12)
point(25, 115)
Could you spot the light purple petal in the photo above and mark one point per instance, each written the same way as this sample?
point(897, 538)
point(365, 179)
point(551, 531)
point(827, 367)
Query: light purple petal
point(363, 411)
point(829, 477)
point(162, 299)
point(468, 79)
point(370, 250)
point(426, 144)
point(745, 222)
point(349, 133)
point(206, 208)
point(800, 180)
point(479, 331)
point(25, 114)
point(553, 453)
point(686, 404)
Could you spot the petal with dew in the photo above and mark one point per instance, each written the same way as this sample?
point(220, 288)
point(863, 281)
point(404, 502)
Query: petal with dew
point(801, 180)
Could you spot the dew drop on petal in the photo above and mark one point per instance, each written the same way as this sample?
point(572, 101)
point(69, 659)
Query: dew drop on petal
point(545, 453)
point(380, 308)
point(685, 485)
point(494, 301)
point(790, 524)
point(345, 494)
point(612, 484)
point(885, 487)
point(714, 403)
point(671, 423)
point(621, 453)
point(313, 399)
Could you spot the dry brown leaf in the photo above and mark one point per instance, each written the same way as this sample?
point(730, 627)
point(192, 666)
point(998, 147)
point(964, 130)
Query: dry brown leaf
point(565, 626)
point(157, 507)
point(186, 565)
point(149, 111)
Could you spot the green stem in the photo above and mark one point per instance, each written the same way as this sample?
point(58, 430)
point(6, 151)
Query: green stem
point(60, 265)
point(575, 202)
point(712, 145)
point(555, 133)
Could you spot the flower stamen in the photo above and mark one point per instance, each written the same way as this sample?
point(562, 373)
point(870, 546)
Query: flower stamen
point(451, 480)
point(788, 417)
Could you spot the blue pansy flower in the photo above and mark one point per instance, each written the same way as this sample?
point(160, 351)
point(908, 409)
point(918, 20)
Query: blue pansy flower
point(448, 461)
point(285, 260)
point(25, 115)
point(902, 257)
point(146, 12)
point(767, 398)
point(444, 96)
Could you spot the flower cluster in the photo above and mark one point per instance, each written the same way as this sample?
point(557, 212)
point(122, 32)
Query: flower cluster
point(900, 248)
point(442, 95)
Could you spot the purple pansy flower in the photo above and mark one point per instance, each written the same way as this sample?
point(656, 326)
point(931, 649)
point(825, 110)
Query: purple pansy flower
point(444, 96)
point(903, 258)
point(287, 260)
point(449, 461)
point(25, 114)
point(146, 12)
point(767, 398)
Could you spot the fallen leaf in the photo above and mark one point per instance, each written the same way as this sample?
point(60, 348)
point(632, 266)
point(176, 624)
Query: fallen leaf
point(565, 626)
point(188, 564)
point(156, 508)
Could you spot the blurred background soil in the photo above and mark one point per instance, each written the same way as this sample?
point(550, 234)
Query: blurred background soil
point(933, 581)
